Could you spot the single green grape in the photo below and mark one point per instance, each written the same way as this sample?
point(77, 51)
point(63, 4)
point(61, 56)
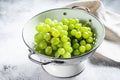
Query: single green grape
point(60, 23)
point(38, 37)
point(37, 48)
point(65, 21)
point(64, 39)
point(60, 44)
point(75, 45)
point(65, 27)
point(48, 21)
point(89, 29)
point(85, 35)
point(59, 28)
point(78, 34)
point(78, 26)
point(73, 32)
point(57, 55)
point(88, 47)
point(76, 52)
point(63, 32)
point(47, 36)
point(71, 26)
point(89, 40)
point(76, 21)
point(69, 40)
point(71, 21)
point(55, 33)
point(39, 27)
point(54, 47)
point(90, 33)
point(82, 49)
point(66, 55)
point(66, 45)
point(55, 41)
point(83, 42)
point(74, 41)
point(48, 51)
point(61, 51)
point(84, 29)
point(69, 49)
point(43, 44)
point(46, 28)
point(55, 21)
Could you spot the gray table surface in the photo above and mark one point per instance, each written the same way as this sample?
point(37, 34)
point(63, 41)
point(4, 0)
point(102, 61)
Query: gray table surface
point(14, 63)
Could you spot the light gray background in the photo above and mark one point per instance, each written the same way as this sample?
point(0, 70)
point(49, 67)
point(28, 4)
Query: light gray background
point(14, 64)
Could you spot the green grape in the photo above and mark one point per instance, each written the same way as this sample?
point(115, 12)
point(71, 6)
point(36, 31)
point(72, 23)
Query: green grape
point(63, 32)
point(55, 41)
point(76, 21)
point(90, 33)
point(66, 45)
point(39, 27)
point(83, 42)
point(82, 49)
point(89, 29)
point(47, 36)
point(43, 44)
point(79, 39)
point(55, 33)
point(38, 37)
point(85, 35)
point(46, 27)
point(92, 45)
point(48, 21)
point(54, 47)
point(60, 45)
point(76, 52)
point(52, 24)
point(84, 29)
point(55, 21)
point(48, 51)
point(69, 40)
point(61, 51)
point(57, 55)
point(37, 48)
point(60, 23)
point(65, 21)
point(69, 49)
point(78, 34)
point(59, 28)
point(78, 26)
point(64, 39)
point(75, 45)
point(71, 26)
point(89, 40)
point(71, 21)
point(66, 55)
point(53, 29)
point(88, 47)
point(74, 41)
point(41, 51)
point(73, 32)
point(65, 27)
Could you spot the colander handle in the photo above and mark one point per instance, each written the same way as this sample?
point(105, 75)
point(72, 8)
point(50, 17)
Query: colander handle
point(82, 8)
point(42, 63)
point(36, 61)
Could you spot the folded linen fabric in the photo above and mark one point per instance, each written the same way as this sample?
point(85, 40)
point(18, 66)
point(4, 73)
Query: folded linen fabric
point(111, 45)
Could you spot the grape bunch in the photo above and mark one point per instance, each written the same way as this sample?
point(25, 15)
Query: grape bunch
point(63, 39)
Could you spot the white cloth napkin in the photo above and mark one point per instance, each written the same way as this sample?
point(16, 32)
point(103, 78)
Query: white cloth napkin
point(111, 45)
